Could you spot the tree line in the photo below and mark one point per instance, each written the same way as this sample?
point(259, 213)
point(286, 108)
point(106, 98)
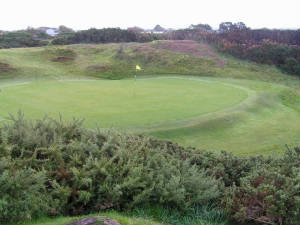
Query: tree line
point(275, 47)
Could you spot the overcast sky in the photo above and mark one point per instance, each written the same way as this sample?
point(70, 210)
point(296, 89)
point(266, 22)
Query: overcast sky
point(84, 14)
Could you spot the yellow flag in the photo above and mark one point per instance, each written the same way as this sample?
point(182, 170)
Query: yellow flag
point(137, 67)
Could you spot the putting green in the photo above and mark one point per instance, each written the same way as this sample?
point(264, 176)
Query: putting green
point(120, 103)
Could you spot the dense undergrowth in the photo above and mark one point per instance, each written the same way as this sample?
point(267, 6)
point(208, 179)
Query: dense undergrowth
point(50, 167)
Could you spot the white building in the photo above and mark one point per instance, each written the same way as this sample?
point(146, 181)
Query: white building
point(50, 31)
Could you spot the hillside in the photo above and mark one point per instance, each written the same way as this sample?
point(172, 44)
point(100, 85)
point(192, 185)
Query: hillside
point(115, 61)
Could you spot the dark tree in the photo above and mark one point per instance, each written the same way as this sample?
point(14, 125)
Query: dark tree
point(226, 26)
point(229, 26)
point(64, 29)
point(201, 26)
point(159, 28)
point(135, 29)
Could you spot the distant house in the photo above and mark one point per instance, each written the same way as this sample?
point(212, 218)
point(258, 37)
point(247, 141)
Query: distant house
point(50, 31)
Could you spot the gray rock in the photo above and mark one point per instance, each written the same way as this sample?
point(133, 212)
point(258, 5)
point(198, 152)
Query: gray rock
point(96, 220)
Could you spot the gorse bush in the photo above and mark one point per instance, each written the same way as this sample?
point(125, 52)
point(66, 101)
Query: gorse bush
point(23, 192)
point(104, 35)
point(269, 193)
point(267, 196)
point(81, 171)
point(53, 167)
point(17, 39)
point(276, 47)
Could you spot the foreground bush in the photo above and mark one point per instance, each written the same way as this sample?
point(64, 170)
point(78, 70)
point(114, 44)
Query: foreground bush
point(265, 196)
point(23, 193)
point(268, 194)
point(80, 171)
point(50, 167)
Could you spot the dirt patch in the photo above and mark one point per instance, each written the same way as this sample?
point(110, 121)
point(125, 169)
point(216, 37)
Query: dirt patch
point(6, 68)
point(62, 55)
point(62, 59)
point(96, 220)
point(191, 48)
point(146, 48)
point(98, 68)
point(147, 52)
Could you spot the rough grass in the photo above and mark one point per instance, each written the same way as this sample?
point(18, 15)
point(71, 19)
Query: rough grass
point(122, 218)
point(148, 215)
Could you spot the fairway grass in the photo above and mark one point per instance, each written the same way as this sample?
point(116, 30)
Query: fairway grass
point(245, 117)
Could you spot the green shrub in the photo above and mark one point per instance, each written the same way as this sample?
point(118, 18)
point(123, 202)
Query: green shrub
point(16, 39)
point(269, 194)
point(55, 167)
point(225, 166)
point(22, 192)
point(92, 170)
point(291, 66)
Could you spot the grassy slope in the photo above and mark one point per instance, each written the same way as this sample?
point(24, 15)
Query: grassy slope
point(262, 125)
point(119, 60)
point(259, 127)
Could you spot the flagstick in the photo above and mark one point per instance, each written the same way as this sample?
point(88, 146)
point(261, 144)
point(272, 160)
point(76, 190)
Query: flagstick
point(134, 82)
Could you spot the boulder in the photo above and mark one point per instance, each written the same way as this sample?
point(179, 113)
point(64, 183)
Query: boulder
point(96, 220)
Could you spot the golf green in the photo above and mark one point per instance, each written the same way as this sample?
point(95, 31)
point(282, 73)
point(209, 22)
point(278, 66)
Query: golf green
point(120, 103)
